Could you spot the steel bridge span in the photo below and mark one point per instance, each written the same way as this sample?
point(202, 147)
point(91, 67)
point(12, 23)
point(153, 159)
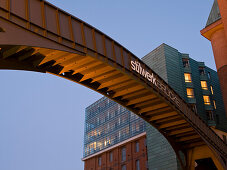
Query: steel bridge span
point(37, 36)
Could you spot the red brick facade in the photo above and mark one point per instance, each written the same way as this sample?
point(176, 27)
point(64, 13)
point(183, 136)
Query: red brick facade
point(102, 160)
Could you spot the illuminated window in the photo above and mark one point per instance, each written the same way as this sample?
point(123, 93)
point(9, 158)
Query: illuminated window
point(214, 104)
point(100, 161)
point(123, 154)
point(206, 100)
point(185, 62)
point(187, 77)
point(204, 85)
point(190, 93)
point(211, 89)
point(137, 147)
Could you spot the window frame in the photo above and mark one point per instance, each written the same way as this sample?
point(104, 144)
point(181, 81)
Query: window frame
point(137, 164)
point(123, 154)
point(205, 102)
point(211, 89)
point(100, 160)
point(111, 156)
point(185, 62)
point(203, 84)
point(191, 96)
point(188, 75)
point(214, 103)
point(137, 146)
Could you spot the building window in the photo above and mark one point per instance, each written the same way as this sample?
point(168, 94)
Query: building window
point(111, 157)
point(214, 104)
point(208, 75)
point(187, 77)
point(210, 115)
point(201, 71)
point(204, 85)
point(185, 62)
point(100, 161)
point(211, 89)
point(190, 93)
point(123, 167)
point(137, 146)
point(206, 100)
point(123, 154)
point(137, 165)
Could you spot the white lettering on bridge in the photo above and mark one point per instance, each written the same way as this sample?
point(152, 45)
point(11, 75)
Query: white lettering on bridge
point(136, 66)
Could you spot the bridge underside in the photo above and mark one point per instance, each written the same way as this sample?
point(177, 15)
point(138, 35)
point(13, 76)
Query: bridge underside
point(101, 64)
point(108, 80)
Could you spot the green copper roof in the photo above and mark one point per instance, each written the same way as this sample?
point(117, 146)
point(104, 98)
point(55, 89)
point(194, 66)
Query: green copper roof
point(214, 14)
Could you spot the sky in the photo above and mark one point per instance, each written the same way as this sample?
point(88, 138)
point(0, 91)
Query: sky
point(42, 116)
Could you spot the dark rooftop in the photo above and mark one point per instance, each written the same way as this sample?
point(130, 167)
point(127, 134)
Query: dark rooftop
point(214, 14)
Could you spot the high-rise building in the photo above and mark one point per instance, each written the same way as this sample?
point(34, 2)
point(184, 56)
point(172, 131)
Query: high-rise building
point(197, 84)
point(112, 130)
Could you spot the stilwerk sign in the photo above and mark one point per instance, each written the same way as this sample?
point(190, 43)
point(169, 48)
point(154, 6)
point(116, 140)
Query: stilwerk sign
point(136, 66)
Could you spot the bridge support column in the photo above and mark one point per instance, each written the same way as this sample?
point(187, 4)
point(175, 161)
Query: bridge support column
point(201, 157)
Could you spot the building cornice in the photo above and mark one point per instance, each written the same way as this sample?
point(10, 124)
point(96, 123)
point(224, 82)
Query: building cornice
point(208, 31)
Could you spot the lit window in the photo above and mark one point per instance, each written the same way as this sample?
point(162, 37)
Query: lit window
point(123, 167)
point(214, 104)
point(187, 77)
point(204, 85)
point(190, 93)
point(201, 71)
point(123, 154)
point(206, 100)
point(111, 156)
point(137, 165)
point(211, 89)
point(100, 161)
point(137, 147)
point(185, 62)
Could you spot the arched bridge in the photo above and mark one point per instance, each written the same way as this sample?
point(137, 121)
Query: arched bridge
point(37, 36)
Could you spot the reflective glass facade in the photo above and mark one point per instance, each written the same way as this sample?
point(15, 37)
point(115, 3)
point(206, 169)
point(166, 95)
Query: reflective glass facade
point(107, 123)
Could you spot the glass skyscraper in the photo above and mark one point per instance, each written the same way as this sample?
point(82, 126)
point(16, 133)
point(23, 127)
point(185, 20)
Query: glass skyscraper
point(108, 123)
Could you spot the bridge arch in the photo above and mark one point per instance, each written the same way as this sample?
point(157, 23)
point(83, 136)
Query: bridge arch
point(52, 41)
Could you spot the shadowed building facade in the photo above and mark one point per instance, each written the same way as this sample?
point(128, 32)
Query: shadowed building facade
point(197, 84)
point(110, 127)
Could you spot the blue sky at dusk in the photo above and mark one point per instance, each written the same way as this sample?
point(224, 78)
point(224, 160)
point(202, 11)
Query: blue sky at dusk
point(42, 116)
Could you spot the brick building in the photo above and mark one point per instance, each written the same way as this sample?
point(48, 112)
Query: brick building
point(129, 154)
